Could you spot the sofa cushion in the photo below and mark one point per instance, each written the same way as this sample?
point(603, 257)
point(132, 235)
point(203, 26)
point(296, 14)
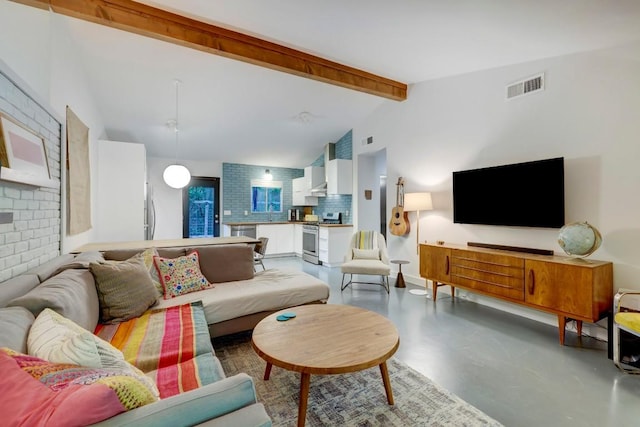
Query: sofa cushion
point(71, 293)
point(124, 254)
point(226, 263)
point(16, 287)
point(125, 289)
point(63, 394)
point(16, 322)
point(82, 260)
point(49, 268)
point(268, 290)
point(181, 275)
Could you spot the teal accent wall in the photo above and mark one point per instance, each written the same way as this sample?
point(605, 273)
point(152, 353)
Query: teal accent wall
point(236, 188)
point(337, 203)
point(236, 191)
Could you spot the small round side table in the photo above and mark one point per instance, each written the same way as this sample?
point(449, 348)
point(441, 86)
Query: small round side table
point(400, 277)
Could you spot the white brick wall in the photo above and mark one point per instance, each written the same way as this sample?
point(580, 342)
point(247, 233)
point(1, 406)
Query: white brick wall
point(34, 236)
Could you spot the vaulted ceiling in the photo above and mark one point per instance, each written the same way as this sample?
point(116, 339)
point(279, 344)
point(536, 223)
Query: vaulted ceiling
point(236, 111)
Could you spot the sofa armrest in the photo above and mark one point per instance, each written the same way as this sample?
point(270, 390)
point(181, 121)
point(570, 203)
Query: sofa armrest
point(192, 407)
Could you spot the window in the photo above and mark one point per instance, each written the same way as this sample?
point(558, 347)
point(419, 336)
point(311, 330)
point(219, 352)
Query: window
point(266, 196)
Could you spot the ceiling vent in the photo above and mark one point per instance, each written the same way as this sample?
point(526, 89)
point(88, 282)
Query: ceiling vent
point(525, 87)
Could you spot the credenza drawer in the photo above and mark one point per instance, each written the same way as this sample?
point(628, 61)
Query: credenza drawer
point(489, 273)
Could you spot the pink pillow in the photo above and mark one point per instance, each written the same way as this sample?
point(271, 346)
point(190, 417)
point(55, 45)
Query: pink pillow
point(37, 392)
point(181, 275)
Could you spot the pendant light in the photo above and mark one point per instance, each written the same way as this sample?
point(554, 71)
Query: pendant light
point(175, 175)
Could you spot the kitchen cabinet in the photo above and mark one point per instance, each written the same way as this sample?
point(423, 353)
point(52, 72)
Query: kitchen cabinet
point(567, 287)
point(333, 244)
point(314, 176)
point(280, 238)
point(301, 193)
point(121, 176)
point(339, 176)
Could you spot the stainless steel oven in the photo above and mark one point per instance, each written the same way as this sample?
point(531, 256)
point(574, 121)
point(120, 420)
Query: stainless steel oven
point(310, 243)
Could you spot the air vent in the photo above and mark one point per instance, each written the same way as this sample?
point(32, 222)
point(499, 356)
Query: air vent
point(525, 87)
point(367, 140)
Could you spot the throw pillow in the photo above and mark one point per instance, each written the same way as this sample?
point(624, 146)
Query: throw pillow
point(59, 340)
point(181, 275)
point(147, 256)
point(125, 289)
point(366, 253)
point(64, 394)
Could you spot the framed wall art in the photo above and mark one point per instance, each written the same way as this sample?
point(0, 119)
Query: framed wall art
point(23, 157)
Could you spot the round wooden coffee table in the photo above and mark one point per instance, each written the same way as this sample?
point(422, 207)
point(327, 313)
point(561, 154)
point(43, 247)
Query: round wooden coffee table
point(326, 339)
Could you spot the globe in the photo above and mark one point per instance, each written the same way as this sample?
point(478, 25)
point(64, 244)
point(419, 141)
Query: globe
point(579, 239)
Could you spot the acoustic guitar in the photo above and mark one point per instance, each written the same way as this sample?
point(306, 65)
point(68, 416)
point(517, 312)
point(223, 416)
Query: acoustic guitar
point(399, 224)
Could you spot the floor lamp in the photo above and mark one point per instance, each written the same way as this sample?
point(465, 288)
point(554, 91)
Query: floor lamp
point(418, 202)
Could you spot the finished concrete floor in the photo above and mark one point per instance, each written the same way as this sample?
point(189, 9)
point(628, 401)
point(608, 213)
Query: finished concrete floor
point(510, 367)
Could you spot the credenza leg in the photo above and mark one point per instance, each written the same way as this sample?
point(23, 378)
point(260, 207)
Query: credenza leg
point(579, 327)
point(562, 323)
point(453, 292)
point(434, 289)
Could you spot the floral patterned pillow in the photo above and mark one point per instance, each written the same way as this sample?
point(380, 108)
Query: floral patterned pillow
point(181, 275)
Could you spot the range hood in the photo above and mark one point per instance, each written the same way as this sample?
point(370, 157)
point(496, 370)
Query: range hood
point(329, 154)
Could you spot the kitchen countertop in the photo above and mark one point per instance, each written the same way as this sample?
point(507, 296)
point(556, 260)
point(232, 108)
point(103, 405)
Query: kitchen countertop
point(283, 222)
point(144, 244)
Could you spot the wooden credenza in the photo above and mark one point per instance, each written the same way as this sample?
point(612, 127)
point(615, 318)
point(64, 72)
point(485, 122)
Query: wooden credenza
point(570, 288)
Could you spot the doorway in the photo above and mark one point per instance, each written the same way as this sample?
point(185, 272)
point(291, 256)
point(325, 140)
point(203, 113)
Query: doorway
point(201, 208)
point(372, 191)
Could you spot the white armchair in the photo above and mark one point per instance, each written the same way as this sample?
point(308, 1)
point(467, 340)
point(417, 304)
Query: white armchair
point(367, 255)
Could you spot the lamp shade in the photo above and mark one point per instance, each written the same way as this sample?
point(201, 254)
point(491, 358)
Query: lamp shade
point(176, 176)
point(418, 202)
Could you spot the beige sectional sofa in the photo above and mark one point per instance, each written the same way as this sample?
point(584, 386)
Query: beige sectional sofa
point(239, 299)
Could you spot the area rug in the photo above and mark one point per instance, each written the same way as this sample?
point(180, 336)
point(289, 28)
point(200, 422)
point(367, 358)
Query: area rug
point(355, 399)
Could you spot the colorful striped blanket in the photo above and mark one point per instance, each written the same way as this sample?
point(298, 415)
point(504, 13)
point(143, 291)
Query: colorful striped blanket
point(171, 345)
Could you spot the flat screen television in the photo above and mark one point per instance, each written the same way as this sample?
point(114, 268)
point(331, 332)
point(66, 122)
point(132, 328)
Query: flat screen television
point(529, 194)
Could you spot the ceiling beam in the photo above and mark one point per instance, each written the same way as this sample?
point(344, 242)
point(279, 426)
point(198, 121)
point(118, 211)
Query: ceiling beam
point(163, 25)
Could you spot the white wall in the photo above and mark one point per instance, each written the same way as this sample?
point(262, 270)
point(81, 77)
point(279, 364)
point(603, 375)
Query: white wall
point(587, 114)
point(36, 45)
point(168, 201)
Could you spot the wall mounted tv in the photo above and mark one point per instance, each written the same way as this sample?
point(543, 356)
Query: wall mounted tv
point(529, 194)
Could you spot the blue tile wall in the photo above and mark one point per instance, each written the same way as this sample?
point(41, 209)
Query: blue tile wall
point(236, 188)
point(236, 191)
point(337, 203)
